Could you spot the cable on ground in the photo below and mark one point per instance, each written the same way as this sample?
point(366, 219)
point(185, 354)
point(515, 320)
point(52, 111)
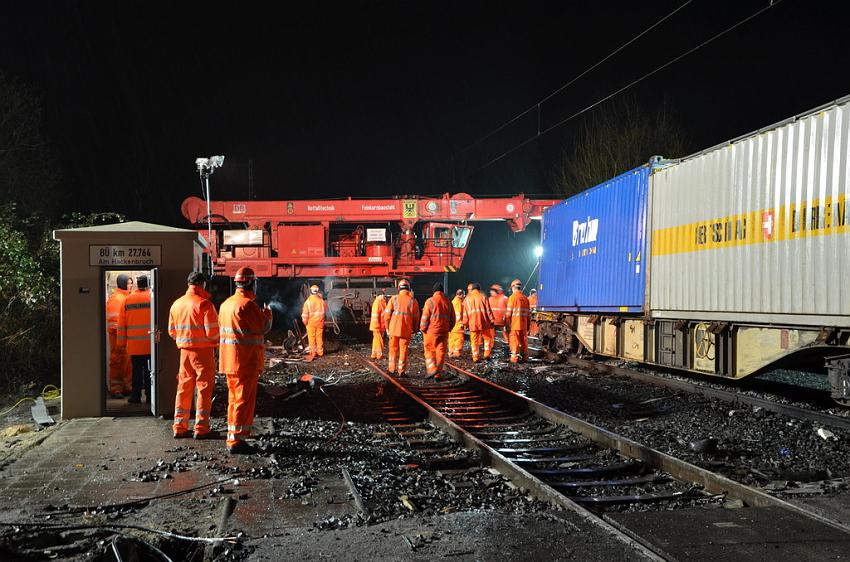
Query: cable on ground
point(50, 392)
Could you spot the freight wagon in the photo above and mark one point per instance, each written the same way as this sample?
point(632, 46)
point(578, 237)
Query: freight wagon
point(727, 262)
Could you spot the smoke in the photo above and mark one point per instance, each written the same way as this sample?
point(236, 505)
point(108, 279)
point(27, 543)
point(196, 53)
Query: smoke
point(284, 298)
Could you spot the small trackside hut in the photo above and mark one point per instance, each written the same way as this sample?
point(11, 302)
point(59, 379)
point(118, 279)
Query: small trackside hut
point(91, 260)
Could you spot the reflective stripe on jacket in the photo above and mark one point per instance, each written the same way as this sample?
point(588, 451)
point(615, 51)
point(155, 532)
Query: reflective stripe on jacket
point(314, 311)
point(457, 305)
point(498, 305)
point(438, 315)
point(519, 312)
point(192, 320)
point(376, 323)
point(242, 327)
point(477, 315)
point(402, 315)
point(135, 323)
point(113, 308)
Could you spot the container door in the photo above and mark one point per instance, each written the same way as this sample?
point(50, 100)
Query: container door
point(154, 360)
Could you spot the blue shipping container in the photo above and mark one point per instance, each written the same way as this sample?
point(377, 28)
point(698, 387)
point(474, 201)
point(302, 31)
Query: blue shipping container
point(594, 248)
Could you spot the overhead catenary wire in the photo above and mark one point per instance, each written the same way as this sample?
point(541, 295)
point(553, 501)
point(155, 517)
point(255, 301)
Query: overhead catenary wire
point(573, 80)
point(602, 100)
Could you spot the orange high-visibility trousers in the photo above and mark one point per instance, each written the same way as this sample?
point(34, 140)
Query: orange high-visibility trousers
point(120, 368)
point(316, 339)
point(241, 403)
point(436, 346)
point(489, 336)
point(455, 344)
point(377, 344)
point(476, 338)
point(398, 350)
point(519, 346)
point(197, 371)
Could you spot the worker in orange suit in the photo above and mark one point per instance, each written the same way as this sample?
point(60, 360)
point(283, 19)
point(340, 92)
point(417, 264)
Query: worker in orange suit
point(313, 315)
point(242, 328)
point(533, 329)
point(498, 304)
point(478, 319)
point(134, 321)
point(518, 318)
point(377, 325)
point(120, 371)
point(456, 335)
point(402, 319)
point(438, 318)
point(193, 324)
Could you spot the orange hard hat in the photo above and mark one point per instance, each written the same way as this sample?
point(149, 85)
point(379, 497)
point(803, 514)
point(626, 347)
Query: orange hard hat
point(314, 288)
point(244, 275)
point(496, 287)
point(516, 283)
point(403, 284)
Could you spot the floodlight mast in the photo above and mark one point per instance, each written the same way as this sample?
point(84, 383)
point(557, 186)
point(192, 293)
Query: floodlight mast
point(206, 167)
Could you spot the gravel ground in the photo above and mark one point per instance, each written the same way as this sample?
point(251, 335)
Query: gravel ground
point(304, 443)
point(753, 446)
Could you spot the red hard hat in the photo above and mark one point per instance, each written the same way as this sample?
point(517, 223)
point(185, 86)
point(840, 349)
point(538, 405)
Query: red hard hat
point(244, 275)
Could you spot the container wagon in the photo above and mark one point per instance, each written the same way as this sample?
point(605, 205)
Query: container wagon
point(726, 262)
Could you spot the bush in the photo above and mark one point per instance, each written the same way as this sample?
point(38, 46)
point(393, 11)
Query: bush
point(29, 296)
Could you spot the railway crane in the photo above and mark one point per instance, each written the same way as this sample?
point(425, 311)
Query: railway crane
point(353, 246)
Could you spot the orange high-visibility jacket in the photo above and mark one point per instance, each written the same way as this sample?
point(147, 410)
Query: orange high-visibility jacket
point(498, 305)
point(477, 315)
point(192, 320)
point(457, 305)
point(134, 323)
point(314, 311)
point(376, 323)
point(438, 315)
point(519, 312)
point(402, 315)
point(532, 301)
point(113, 308)
point(242, 325)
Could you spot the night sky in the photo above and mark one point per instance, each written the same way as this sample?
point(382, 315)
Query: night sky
point(379, 98)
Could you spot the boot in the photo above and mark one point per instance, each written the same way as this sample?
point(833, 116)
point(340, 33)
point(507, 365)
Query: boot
point(242, 448)
point(213, 434)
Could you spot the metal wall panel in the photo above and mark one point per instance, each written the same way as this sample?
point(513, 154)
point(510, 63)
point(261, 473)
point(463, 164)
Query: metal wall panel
point(757, 230)
point(594, 248)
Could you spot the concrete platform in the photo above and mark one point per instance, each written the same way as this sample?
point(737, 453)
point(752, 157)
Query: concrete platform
point(87, 462)
point(737, 534)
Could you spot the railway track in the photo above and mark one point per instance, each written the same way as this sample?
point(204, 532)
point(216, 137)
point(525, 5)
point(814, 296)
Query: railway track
point(574, 464)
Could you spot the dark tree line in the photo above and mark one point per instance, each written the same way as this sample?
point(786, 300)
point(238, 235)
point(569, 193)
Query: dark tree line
point(31, 206)
point(616, 137)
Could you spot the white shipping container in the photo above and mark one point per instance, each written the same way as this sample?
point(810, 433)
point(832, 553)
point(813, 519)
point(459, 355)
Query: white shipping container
point(757, 230)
